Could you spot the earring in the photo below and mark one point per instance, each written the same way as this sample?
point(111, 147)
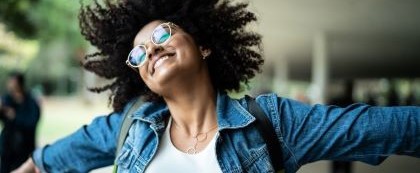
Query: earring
point(205, 55)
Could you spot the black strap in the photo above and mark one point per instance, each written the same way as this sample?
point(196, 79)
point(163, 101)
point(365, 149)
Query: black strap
point(263, 124)
point(265, 127)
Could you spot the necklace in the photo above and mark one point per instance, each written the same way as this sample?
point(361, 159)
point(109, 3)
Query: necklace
point(198, 138)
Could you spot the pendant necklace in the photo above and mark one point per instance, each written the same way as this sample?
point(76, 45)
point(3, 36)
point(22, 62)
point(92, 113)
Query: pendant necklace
point(198, 138)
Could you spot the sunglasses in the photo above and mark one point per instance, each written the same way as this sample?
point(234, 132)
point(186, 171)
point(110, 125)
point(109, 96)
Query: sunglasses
point(160, 36)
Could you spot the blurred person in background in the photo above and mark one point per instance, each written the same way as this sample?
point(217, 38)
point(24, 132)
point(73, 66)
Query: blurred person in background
point(20, 113)
point(393, 95)
point(411, 99)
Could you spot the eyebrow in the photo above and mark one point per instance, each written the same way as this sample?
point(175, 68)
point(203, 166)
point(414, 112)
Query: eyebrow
point(141, 43)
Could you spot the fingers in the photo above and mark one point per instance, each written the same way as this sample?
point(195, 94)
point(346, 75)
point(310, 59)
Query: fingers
point(10, 113)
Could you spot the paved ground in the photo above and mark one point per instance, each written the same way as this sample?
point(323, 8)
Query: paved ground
point(63, 115)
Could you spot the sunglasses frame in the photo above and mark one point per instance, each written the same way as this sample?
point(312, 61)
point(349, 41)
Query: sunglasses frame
point(169, 24)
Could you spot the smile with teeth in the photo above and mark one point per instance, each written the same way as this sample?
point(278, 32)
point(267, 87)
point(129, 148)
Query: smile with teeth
point(160, 61)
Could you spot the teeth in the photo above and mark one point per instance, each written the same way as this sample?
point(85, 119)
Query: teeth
point(160, 61)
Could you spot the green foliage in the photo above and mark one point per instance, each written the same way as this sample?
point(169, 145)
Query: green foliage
point(57, 19)
point(42, 19)
point(16, 15)
point(53, 24)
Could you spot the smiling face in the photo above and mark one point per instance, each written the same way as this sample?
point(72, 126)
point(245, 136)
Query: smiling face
point(177, 61)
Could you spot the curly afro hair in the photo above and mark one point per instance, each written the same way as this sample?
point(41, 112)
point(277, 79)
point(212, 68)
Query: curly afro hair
point(216, 25)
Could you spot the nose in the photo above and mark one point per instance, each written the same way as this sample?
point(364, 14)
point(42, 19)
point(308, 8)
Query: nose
point(153, 49)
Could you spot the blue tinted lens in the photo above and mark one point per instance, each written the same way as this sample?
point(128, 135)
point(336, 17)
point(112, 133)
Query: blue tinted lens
point(161, 34)
point(137, 56)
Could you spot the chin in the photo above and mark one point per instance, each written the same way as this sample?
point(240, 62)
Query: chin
point(162, 79)
point(160, 85)
point(164, 76)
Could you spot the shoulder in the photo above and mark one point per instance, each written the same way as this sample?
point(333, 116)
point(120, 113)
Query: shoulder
point(272, 100)
point(6, 99)
point(132, 106)
point(29, 96)
point(280, 109)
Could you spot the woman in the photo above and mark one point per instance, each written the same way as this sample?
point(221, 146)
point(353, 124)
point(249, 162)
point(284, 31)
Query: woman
point(19, 115)
point(182, 57)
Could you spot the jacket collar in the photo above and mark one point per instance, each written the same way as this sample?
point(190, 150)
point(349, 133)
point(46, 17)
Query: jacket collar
point(230, 113)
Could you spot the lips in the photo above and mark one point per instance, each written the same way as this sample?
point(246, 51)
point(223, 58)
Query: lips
point(158, 60)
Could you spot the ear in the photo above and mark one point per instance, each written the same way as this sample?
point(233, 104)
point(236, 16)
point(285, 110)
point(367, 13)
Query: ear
point(205, 52)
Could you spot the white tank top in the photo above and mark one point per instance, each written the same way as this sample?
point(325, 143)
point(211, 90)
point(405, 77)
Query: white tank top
point(169, 159)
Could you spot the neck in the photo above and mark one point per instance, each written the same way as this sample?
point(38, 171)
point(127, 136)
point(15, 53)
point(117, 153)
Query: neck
point(18, 96)
point(193, 109)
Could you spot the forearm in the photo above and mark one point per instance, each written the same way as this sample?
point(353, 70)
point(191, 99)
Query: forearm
point(400, 129)
point(378, 132)
point(90, 147)
point(357, 133)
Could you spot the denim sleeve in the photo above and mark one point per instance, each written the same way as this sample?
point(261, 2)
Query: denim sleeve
point(90, 147)
point(358, 132)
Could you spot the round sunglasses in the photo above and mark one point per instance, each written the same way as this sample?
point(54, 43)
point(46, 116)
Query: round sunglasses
point(160, 36)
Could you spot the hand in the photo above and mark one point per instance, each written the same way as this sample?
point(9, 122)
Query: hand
point(9, 113)
point(27, 167)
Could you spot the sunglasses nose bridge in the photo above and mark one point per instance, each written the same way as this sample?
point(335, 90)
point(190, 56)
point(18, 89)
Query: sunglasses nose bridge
point(152, 49)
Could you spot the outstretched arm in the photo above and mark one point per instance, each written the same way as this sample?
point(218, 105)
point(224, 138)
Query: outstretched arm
point(356, 133)
point(90, 147)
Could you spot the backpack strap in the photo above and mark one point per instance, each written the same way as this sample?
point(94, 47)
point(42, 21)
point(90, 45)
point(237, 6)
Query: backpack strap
point(265, 127)
point(126, 124)
point(263, 124)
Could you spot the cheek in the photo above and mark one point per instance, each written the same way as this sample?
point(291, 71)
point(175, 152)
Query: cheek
point(185, 41)
point(143, 73)
point(187, 47)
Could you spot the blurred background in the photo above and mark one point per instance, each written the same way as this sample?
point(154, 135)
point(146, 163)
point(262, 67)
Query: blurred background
point(316, 51)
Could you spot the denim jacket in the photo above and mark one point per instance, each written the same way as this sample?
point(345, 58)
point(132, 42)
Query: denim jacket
point(306, 133)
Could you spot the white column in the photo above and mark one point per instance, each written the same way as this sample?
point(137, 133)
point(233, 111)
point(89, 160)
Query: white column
point(320, 69)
